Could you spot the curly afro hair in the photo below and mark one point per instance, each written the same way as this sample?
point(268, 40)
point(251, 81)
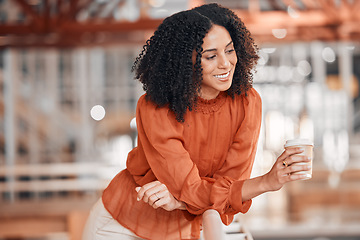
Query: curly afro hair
point(165, 66)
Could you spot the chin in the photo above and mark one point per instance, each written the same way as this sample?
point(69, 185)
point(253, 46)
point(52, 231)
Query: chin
point(223, 89)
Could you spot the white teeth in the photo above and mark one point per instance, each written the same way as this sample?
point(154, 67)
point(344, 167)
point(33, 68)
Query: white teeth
point(223, 76)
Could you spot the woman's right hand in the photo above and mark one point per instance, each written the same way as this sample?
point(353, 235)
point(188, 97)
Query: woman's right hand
point(157, 195)
point(283, 170)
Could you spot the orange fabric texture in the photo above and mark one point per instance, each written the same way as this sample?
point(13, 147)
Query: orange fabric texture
point(203, 162)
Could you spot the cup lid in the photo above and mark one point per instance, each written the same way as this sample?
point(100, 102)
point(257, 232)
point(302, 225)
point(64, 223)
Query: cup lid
point(300, 141)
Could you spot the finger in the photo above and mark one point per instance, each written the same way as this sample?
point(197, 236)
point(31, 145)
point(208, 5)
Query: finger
point(152, 199)
point(161, 198)
point(297, 159)
point(154, 190)
point(295, 177)
point(149, 189)
point(297, 168)
point(144, 188)
point(288, 152)
point(161, 202)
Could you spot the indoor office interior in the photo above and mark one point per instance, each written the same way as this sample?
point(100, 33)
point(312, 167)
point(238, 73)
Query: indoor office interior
point(68, 100)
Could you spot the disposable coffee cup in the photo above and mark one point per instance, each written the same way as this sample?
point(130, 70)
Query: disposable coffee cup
point(307, 146)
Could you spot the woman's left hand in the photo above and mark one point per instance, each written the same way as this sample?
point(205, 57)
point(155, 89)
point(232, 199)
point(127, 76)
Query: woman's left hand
point(285, 167)
point(157, 195)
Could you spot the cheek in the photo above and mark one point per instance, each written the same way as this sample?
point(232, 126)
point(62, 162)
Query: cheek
point(208, 67)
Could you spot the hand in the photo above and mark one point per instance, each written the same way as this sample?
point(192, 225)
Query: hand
point(157, 195)
point(280, 174)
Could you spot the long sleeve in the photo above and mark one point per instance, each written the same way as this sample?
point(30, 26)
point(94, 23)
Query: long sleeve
point(161, 139)
point(239, 162)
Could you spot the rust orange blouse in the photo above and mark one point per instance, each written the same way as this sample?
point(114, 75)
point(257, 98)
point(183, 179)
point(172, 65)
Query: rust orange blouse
point(203, 162)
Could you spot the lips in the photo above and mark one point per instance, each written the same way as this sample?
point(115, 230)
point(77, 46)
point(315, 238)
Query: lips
point(223, 75)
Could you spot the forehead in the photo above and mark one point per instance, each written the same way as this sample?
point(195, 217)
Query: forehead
point(217, 37)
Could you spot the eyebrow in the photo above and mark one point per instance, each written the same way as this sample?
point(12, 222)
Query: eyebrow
point(214, 49)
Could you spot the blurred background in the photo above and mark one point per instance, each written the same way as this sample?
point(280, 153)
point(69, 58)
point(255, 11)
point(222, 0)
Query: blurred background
point(67, 102)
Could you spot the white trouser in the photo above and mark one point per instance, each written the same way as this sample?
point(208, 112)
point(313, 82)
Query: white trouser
point(101, 225)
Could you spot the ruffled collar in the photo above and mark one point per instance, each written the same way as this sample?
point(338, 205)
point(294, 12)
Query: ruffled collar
point(212, 105)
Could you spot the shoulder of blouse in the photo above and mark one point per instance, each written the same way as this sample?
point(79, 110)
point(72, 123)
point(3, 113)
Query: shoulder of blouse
point(144, 105)
point(252, 92)
point(251, 96)
point(148, 111)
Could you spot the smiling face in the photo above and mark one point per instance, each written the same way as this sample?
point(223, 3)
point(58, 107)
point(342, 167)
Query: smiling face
point(218, 62)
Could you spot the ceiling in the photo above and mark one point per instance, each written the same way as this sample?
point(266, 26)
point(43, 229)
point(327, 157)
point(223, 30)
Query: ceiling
point(71, 23)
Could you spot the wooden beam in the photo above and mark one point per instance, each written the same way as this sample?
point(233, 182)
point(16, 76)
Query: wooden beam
point(7, 29)
point(72, 33)
point(57, 17)
point(140, 25)
point(330, 9)
point(29, 11)
point(99, 9)
point(281, 19)
point(46, 15)
point(106, 11)
point(59, 5)
point(69, 15)
point(75, 40)
point(46, 11)
point(73, 9)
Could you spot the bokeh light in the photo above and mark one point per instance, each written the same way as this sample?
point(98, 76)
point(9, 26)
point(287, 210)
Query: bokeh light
point(279, 33)
point(328, 55)
point(97, 112)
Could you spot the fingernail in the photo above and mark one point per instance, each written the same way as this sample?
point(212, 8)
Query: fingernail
point(137, 189)
point(138, 199)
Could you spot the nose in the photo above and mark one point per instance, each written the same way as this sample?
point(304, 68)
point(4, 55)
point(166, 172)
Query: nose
point(223, 61)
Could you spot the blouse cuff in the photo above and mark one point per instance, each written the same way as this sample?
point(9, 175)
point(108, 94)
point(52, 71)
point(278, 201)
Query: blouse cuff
point(226, 196)
point(235, 198)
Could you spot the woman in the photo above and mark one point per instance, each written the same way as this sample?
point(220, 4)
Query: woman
point(198, 126)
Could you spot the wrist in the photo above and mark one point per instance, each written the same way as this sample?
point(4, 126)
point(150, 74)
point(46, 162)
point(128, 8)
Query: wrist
point(265, 183)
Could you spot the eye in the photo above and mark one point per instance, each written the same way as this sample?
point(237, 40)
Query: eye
point(230, 50)
point(211, 57)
